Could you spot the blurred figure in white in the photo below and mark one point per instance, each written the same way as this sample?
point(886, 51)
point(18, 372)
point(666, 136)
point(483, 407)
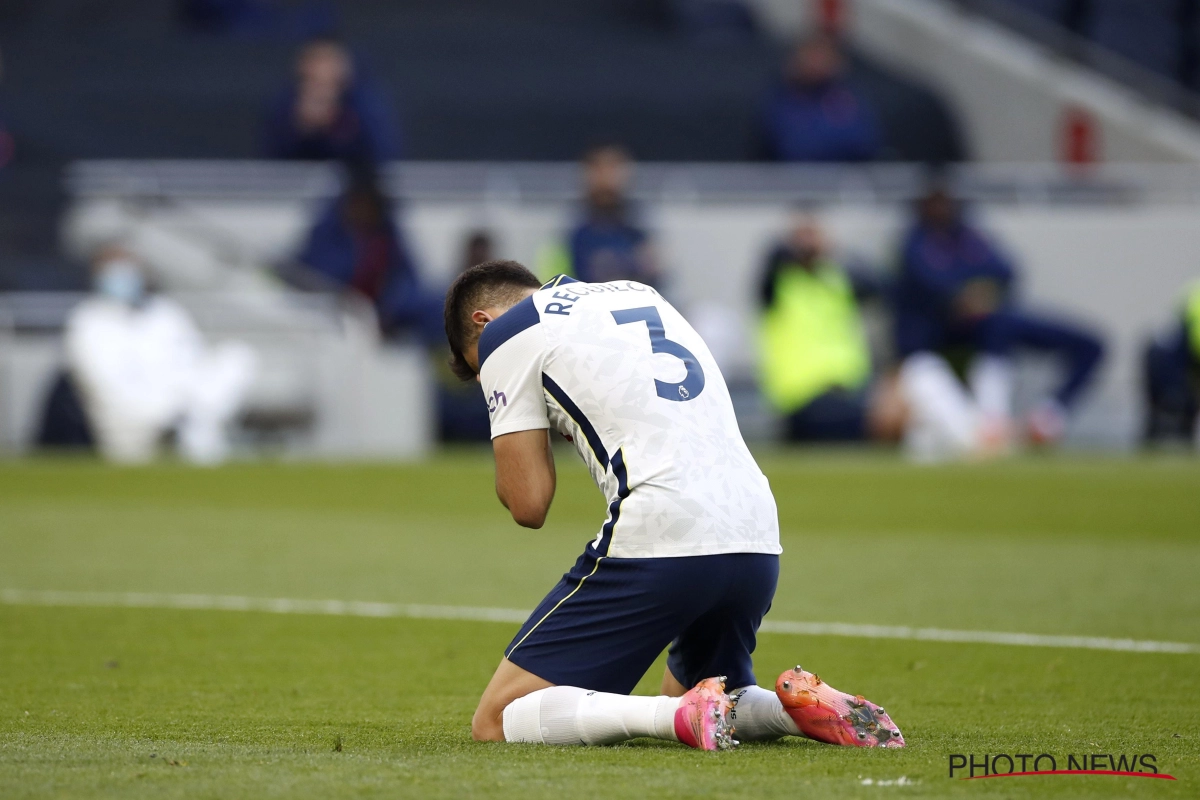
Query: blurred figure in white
point(144, 369)
point(944, 421)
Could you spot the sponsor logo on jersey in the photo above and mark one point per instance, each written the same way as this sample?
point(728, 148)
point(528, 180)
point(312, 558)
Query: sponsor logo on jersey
point(497, 400)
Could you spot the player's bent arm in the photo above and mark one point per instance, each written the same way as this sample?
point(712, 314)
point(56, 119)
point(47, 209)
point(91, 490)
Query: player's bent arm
point(525, 475)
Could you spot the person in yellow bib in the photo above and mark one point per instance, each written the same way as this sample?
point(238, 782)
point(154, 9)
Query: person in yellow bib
point(816, 361)
point(1191, 317)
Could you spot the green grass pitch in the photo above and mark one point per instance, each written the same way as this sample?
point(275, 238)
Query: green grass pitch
point(126, 702)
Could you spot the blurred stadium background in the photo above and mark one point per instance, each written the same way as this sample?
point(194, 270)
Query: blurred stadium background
point(173, 134)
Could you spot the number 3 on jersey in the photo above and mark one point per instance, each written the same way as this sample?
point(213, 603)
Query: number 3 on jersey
point(693, 384)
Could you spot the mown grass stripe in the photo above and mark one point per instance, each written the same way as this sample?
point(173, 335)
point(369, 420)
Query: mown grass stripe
point(355, 608)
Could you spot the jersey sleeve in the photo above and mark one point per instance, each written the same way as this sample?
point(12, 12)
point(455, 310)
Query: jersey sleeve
point(511, 377)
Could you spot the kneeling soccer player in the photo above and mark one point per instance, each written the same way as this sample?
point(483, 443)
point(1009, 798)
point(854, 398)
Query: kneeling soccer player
point(689, 553)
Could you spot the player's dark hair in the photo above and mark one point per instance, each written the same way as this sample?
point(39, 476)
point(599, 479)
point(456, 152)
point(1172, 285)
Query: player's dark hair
point(485, 285)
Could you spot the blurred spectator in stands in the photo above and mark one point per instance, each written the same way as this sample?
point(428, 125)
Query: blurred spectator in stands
point(813, 113)
point(608, 243)
point(143, 369)
point(1171, 370)
point(331, 112)
point(356, 246)
point(479, 247)
point(462, 410)
point(955, 297)
point(816, 367)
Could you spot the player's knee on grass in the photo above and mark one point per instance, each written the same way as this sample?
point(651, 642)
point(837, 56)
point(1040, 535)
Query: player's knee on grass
point(488, 724)
point(509, 683)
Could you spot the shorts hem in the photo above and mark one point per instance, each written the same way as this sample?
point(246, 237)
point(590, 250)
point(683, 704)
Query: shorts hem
point(615, 550)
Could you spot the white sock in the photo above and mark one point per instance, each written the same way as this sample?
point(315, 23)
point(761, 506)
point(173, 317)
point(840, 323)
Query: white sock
point(991, 381)
point(569, 715)
point(759, 716)
point(945, 421)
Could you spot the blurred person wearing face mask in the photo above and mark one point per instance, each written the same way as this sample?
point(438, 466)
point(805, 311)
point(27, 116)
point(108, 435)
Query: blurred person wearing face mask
point(814, 114)
point(144, 370)
point(607, 243)
point(329, 112)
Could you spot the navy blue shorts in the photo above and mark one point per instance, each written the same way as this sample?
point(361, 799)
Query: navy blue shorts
point(607, 620)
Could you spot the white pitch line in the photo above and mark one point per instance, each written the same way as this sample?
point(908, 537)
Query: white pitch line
point(351, 608)
point(982, 637)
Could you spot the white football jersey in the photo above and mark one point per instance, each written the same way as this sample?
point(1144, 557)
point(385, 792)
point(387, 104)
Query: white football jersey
point(616, 369)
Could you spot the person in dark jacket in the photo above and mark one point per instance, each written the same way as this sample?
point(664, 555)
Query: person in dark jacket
point(355, 245)
point(814, 114)
point(329, 112)
point(607, 243)
point(956, 294)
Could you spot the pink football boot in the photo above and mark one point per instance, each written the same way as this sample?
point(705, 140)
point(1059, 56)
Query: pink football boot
point(823, 713)
point(702, 719)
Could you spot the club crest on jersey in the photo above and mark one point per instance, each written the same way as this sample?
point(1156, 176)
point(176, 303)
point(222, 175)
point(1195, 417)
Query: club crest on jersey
point(684, 393)
point(495, 401)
